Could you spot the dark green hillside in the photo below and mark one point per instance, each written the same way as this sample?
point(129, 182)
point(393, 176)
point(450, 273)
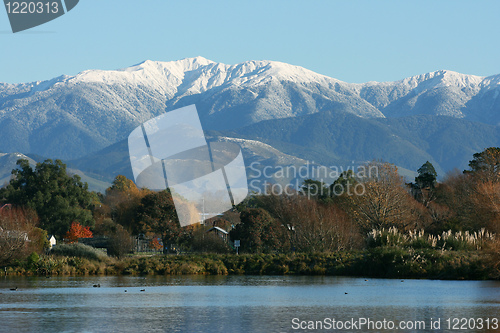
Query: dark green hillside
point(337, 139)
point(446, 142)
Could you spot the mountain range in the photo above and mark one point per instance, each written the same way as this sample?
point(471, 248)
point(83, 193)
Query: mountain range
point(442, 116)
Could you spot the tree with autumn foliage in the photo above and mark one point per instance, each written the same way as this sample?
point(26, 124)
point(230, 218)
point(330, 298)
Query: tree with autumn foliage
point(155, 244)
point(485, 173)
point(121, 201)
point(384, 201)
point(474, 195)
point(156, 215)
point(77, 231)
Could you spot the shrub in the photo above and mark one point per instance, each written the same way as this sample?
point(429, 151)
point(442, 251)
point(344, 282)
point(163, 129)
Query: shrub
point(120, 242)
point(79, 250)
point(32, 260)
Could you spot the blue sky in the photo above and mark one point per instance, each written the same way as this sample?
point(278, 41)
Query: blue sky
point(354, 41)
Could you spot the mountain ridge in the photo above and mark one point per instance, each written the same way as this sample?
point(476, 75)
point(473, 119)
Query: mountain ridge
point(72, 116)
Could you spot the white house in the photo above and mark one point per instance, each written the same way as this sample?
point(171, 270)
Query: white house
point(52, 241)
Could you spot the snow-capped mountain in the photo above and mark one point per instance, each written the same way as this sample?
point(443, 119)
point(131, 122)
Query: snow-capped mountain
point(71, 116)
point(444, 93)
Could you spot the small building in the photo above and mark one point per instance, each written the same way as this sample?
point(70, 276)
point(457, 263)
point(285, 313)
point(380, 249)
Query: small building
point(219, 232)
point(147, 244)
point(52, 241)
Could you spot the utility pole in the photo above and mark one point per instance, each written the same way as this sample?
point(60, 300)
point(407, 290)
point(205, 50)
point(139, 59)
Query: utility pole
point(203, 211)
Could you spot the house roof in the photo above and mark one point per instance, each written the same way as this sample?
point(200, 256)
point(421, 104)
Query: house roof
point(218, 229)
point(5, 206)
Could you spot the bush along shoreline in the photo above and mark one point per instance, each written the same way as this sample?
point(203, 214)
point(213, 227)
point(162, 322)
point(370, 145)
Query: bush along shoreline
point(377, 262)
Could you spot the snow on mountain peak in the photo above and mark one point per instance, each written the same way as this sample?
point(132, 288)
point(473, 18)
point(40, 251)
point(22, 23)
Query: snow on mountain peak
point(44, 85)
point(163, 77)
point(454, 79)
point(288, 88)
point(194, 75)
point(184, 65)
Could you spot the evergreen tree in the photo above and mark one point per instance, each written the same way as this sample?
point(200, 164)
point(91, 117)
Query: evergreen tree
point(427, 176)
point(57, 198)
point(315, 189)
point(486, 165)
point(344, 184)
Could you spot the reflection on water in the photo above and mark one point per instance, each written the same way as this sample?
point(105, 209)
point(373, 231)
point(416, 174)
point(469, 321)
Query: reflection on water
point(233, 303)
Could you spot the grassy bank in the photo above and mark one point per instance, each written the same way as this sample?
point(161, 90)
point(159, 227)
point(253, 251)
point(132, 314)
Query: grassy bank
point(386, 262)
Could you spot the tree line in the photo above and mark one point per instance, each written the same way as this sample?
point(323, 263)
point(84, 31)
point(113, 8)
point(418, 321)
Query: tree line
point(316, 218)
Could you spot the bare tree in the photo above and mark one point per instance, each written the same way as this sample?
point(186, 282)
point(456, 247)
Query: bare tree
point(383, 201)
point(312, 226)
point(321, 227)
point(18, 234)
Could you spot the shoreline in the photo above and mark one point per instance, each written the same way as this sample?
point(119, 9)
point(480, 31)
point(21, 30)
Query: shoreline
point(388, 262)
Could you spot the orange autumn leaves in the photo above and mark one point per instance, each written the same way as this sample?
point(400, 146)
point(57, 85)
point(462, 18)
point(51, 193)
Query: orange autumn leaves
point(77, 231)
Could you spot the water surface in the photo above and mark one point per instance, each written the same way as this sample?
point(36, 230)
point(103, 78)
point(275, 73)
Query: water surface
point(239, 303)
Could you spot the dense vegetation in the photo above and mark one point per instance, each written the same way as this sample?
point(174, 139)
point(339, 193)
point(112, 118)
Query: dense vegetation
point(378, 262)
point(367, 223)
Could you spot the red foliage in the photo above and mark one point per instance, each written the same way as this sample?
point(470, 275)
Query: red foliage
point(155, 244)
point(77, 231)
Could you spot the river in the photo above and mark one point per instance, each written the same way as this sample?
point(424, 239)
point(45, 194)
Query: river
point(246, 304)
